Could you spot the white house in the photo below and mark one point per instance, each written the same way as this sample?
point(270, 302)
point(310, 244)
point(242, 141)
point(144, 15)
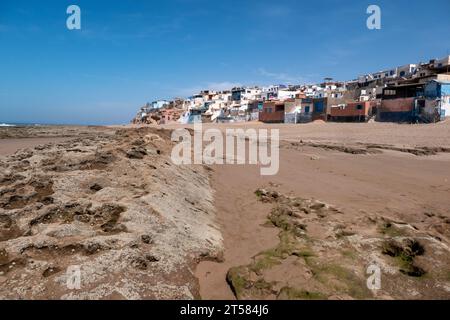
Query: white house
point(441, 63)
point(251, 93)
point(406, 71)
point(284, 94)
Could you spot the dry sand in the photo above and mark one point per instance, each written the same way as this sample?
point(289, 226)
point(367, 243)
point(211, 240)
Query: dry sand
point(346, 196)
point(394, 185)
point(10, 146)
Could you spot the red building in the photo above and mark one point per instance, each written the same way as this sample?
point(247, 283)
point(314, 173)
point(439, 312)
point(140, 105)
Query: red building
point(352, 112)
point(272, 112)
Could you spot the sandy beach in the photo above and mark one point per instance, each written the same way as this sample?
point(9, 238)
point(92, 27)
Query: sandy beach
point(389, 185)
point(10, 146)
point(346, 196)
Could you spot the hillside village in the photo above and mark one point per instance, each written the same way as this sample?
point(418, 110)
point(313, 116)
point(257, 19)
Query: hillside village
point(413, 93)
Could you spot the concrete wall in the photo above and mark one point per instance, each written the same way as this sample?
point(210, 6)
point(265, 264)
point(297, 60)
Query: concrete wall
point(273, 117)
point(396, 110)
point(353, 109)
point(397, 105)
point(445, 100)
point(292, 105)
point(445, 108)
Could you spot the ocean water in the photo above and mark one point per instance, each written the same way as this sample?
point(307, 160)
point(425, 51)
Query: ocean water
point(19, 124)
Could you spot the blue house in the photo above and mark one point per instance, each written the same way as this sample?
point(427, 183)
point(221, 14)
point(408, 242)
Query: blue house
point(319, 110)
point(437, 95)
point(236, 94)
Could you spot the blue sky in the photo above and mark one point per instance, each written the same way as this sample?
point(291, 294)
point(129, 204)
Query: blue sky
point(131, 52)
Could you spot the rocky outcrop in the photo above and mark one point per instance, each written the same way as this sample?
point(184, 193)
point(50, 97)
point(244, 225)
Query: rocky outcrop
point(151, 116)
point(111, 205)
point(322, 255)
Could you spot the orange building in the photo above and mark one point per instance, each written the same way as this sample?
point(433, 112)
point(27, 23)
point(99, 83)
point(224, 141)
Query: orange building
point(272, 112)
point(351, 112)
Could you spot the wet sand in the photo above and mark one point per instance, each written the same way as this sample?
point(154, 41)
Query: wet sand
point(241, 218)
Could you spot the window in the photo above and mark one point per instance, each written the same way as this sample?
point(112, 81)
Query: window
point(359, 107)
point(390, 92)
point(392, 72)
point(402, 74)
point(307, 109)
